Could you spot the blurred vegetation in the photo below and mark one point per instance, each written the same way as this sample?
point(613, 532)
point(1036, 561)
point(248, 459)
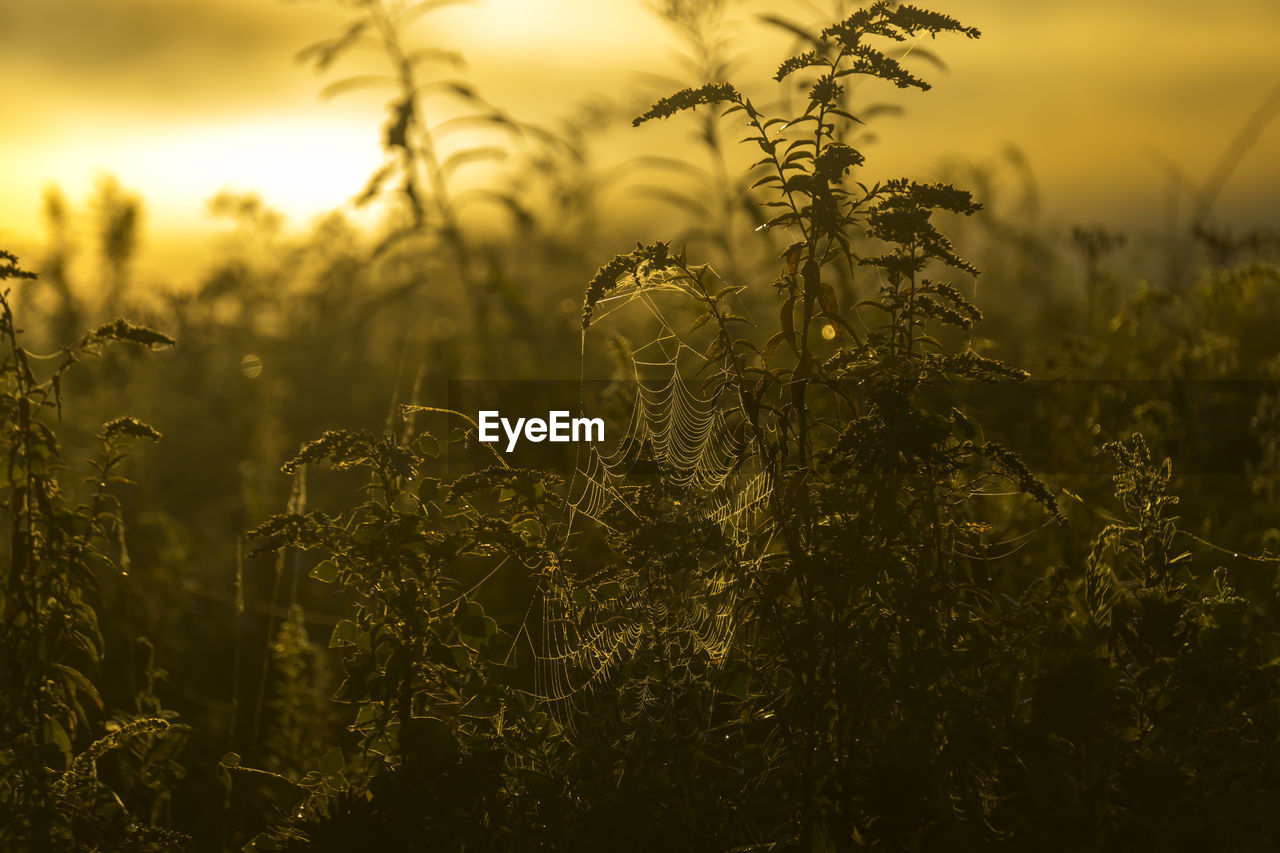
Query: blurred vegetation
point(838, 601)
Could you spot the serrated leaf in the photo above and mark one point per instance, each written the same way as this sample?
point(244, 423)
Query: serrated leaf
point(344, 633)
point(333, 762)
point(52, 732)
point(427, 445)
point(326, 571)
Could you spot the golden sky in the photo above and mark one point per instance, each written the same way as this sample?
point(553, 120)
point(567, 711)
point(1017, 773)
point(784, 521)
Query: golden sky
point(182, 98)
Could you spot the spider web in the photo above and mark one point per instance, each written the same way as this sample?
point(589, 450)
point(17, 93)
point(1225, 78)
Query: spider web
point(624, 648)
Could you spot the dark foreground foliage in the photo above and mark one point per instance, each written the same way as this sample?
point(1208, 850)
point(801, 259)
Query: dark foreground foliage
point(814, 603)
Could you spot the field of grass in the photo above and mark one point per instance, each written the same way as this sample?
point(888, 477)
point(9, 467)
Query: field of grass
point(920, 523)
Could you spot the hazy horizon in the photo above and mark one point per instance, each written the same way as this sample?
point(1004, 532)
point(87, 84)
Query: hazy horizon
point(180, 100)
